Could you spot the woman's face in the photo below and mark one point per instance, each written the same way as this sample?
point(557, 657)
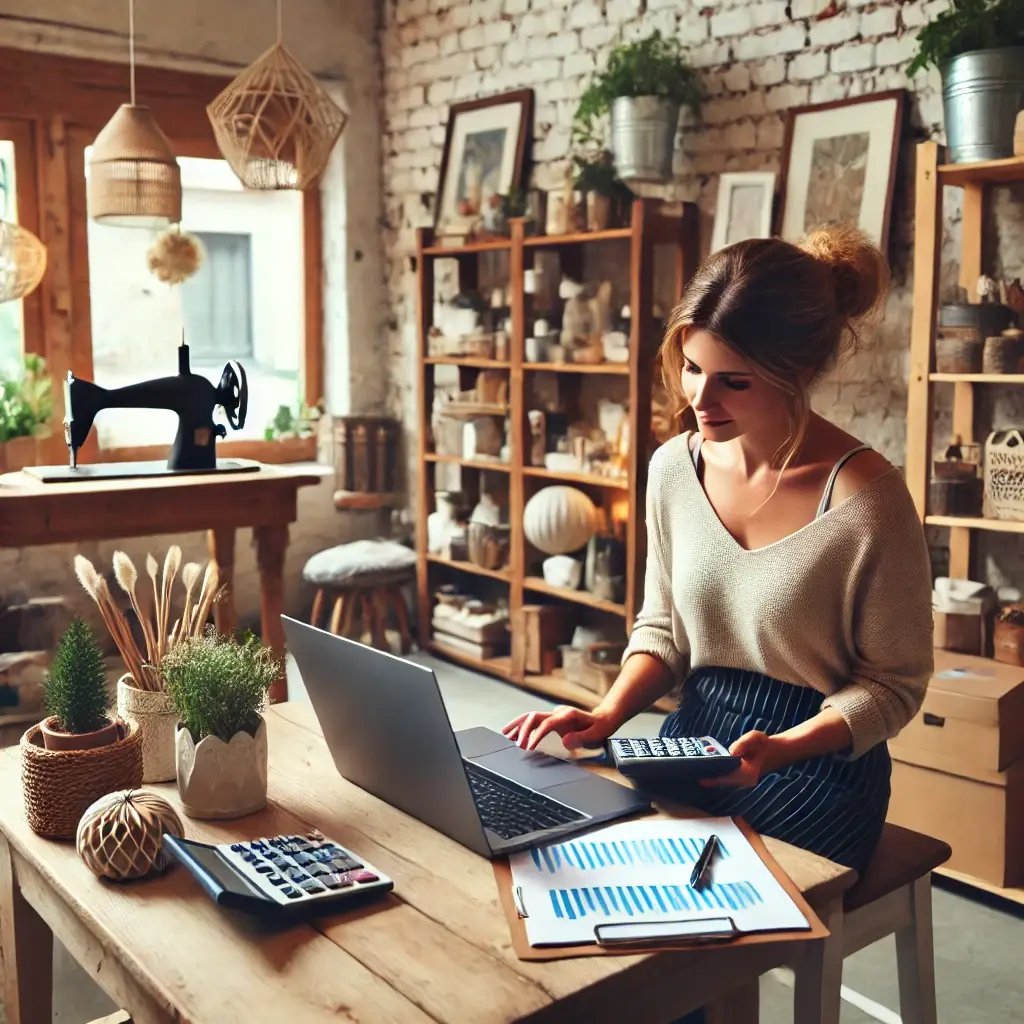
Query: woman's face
point(727, 396)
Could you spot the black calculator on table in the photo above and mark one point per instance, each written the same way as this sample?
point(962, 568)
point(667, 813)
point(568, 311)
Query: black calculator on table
point(666, 759)
point(281, 876)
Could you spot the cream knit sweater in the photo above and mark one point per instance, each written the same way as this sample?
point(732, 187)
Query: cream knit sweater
point(842, 605)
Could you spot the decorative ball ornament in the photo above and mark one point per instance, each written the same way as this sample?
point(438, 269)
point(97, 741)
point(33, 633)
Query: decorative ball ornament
point(120, 836)
point(22, 261)
point(559, 519)
point(175, 256)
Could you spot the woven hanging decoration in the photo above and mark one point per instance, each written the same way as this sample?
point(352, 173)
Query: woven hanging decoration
point(275, 125)
point(22, 261)
point(134, 179)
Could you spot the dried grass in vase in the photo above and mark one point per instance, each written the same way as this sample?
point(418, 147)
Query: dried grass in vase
point(153, 611)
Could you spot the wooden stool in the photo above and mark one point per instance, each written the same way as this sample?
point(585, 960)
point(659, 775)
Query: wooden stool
point(120, 1017)
point(892, 896)
point(363, 581)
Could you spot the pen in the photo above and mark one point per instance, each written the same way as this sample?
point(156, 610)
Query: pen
point(700, 869)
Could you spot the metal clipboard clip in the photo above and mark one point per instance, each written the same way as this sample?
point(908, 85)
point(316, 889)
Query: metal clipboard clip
point(517, 896)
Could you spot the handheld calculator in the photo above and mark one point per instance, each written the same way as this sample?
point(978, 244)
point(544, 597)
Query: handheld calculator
point(281, 876)
point(664, 759)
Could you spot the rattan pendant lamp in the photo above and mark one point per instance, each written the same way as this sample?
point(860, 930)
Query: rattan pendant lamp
point(134, 179)
point(22, 261)
point(275, 125)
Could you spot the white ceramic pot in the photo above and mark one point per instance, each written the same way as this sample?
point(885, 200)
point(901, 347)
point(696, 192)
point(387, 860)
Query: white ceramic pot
point(563, 571)
point(154, 713)
point(222, 780)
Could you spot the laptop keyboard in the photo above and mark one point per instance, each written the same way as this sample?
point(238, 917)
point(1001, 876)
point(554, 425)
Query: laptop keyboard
point(511, 810)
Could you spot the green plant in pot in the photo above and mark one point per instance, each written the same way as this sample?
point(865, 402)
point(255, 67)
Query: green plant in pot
point(978, 47)
point(75, 695)
point(643, 87)
point(26, 406)
point(608, 196)
point(219, 687)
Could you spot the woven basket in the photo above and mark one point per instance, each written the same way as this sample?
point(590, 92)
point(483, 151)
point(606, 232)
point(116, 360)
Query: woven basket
point(1002, 354)
point(60, 785)
point(955, 354)
point(1004, 475)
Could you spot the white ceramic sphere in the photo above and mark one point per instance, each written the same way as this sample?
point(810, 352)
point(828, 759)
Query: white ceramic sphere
point(559, 519)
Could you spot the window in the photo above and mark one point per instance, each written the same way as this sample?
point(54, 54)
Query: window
point(218, 300)
point(12, 340)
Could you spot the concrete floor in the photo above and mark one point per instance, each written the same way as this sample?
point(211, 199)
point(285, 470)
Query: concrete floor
point(977, 947)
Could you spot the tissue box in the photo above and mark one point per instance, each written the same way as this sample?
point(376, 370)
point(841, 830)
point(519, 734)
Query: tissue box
point(963, 613)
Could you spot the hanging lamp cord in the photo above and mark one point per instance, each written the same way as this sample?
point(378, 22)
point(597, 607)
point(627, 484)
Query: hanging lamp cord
point(278, 22)
point(131, 45)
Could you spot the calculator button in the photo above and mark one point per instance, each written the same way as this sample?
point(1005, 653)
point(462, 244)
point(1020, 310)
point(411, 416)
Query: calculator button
point(291, 893)
point(237, 847)
point(275, 879)
point(345, 864)
point(296, 874)
point(333, 881)
point(364, 876)
point(311, 886)
point(264, 869)
point(304, 858)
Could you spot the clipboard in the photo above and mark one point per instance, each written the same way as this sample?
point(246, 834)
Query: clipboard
point(524, 951)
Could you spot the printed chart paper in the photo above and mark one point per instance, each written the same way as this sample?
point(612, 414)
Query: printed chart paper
point(640, 871)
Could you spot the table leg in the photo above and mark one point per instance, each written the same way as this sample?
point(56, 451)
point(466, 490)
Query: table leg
point(221, 545)
point(26, 949)
point(819, 972)
point(740, 1006)
point(271, 542)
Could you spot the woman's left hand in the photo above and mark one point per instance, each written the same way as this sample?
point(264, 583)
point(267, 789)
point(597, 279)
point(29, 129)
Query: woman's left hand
point(758, 753)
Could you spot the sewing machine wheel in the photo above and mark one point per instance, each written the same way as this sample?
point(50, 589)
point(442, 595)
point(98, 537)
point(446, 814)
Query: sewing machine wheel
point(233, 391)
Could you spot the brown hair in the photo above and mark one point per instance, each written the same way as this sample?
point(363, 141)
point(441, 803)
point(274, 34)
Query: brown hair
point(791, 310)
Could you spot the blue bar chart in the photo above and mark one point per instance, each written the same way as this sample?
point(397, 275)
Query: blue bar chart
point(588, 855)
point(619, 902)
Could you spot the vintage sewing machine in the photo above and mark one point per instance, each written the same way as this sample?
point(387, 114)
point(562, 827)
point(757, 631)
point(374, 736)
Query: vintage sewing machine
point(190, 395)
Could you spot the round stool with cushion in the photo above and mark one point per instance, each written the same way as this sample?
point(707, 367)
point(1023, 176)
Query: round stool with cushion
point(363, 577)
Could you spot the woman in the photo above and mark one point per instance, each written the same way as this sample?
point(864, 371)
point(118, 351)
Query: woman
point(787, 579)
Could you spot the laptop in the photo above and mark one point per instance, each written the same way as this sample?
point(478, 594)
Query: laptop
point(388, 732)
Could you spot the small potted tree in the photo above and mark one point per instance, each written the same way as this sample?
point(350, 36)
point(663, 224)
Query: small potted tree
point(78, 753)
point(219, 688)
point(978, 47)
point(643, 88)
point(26, 405)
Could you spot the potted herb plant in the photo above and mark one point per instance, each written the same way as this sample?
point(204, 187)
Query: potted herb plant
point(978, 47)
point(77, 753)
point(219, 687)
point(26, 405)
point(643, 87)
point(607, 195)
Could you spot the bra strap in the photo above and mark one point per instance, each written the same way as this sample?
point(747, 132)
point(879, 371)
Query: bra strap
point(826, 498)
point(695, 451)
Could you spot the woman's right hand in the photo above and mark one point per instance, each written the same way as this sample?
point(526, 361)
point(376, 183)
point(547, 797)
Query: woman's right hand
point(577, 728)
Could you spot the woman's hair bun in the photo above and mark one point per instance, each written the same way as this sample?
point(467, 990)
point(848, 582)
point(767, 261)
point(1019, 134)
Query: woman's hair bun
point(860, 273)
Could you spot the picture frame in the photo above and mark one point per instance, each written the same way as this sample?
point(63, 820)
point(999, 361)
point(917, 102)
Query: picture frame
point(842, 169)
point(486, 154)
point(744, 207)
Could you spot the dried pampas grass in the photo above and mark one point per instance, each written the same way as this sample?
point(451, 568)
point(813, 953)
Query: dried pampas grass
point(175, 255)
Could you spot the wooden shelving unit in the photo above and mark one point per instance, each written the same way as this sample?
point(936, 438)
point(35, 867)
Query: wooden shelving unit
point(932, 176)
point(650, 227)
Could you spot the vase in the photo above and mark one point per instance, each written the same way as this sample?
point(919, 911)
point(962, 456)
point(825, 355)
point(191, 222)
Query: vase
point(599, 211)
point(157, 721)
point(55, 738)
point(982, 93)
point(643, 137)
point(222, 780)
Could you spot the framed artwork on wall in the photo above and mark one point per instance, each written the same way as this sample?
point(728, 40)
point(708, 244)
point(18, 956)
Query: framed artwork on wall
point(839, 165)
point(486, 151)
point(744, 208)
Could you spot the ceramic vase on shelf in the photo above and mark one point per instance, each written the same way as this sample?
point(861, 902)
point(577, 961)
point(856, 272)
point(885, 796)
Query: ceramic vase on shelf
point(157, 720)
point(222, 780)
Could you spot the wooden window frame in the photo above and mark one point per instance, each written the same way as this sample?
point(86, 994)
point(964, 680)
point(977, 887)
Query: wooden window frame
point(62, 102)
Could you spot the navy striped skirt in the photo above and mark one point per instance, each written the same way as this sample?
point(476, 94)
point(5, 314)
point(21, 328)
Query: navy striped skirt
point(833, 807)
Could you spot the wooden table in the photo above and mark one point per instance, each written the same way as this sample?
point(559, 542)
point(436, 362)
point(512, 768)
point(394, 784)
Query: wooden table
point(32, 512)
point(435, 950)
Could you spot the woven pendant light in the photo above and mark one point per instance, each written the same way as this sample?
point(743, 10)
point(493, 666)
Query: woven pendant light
point(275, 124)
point(22, 261)
point(134, 179)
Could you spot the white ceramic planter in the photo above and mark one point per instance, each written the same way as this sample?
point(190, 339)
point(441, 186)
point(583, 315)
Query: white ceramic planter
point(222, 780)
point(157, 721)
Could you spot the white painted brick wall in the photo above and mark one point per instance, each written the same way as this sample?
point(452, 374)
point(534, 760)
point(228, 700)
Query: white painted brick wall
point(758, 58)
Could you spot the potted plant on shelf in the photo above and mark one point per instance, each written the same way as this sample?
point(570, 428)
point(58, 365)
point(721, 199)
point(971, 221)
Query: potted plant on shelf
point(142, 697)
point(643, 87)
point(26, 405)
point(607, 195)
point(219, 686)
point(77, 753)
point(978, 47)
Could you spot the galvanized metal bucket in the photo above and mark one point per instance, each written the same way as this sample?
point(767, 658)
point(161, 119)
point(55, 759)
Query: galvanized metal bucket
point(982, 92)
point(643, 137)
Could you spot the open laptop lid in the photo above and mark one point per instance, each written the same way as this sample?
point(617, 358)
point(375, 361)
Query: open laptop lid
point(387, 729)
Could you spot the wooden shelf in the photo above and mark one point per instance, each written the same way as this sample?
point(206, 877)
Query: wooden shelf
point(977, 523)
point(1014, 894)
point(490, 245)
point(619, 369)
point(454, 460)
point(619, 483)
point(474, 361)
point(500, 666)
point(985, 172)
point(541, 586)
point(977, 378)
point(362, 501)
point(580, 236)
point(558, 688)
point(494, 574)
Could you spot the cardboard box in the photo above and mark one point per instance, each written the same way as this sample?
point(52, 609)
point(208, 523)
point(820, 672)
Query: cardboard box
point(972, 719)
point(981, 819)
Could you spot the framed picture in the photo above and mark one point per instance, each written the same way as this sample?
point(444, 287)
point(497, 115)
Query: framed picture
point(839, 165)
point(744, 208)
point(485, 154)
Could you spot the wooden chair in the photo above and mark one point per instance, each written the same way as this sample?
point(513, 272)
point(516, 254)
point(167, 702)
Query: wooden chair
point(361, 582)
point(892, 897)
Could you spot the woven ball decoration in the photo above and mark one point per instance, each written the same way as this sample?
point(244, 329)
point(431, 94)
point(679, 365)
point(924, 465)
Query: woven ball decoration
point(175, 256)
point(120, 836)
point(558, 520)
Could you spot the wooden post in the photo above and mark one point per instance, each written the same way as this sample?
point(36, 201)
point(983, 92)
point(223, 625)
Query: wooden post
point(271, 543)
point(520, 433)
point(424, 390)
point(221, 545)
